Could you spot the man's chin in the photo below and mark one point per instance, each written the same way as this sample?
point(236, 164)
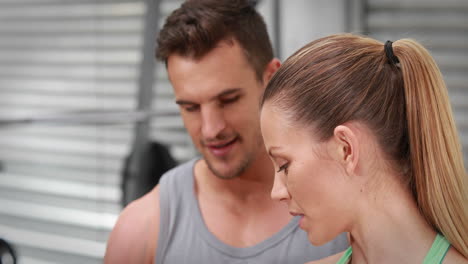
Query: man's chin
point(226, 169)
point(222, 171)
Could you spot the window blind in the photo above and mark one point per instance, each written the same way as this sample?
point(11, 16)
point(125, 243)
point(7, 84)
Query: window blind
point(442, 26)
point(60, 182)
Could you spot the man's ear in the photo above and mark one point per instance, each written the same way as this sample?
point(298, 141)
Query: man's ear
point(346, 147)
point(270, 69)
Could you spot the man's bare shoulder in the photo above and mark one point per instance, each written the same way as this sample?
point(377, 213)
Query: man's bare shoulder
point(134, 237)
point(333, 259)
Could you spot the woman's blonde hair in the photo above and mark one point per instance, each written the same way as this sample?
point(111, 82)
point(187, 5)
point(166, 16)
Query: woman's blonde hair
point(346, 77)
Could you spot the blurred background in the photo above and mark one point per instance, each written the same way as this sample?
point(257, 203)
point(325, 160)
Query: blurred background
point(87, 115)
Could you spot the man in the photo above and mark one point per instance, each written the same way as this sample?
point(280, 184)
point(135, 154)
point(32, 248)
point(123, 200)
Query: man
point(217, 209)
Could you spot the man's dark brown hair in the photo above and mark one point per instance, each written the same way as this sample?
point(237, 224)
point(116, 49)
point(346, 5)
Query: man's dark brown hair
point(197, 26)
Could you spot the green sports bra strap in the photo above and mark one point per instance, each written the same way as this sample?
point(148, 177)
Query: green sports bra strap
point(436, 254)
point(346, 256)
point(438, 250)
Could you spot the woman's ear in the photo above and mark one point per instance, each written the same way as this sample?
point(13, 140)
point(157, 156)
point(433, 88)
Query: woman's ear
point(346, 147)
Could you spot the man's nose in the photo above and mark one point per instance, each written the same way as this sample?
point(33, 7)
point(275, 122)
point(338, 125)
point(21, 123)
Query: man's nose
point(280, 191)
point(212, 122)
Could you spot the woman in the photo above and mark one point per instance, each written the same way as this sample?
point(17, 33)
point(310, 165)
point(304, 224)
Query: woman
point(363, 141)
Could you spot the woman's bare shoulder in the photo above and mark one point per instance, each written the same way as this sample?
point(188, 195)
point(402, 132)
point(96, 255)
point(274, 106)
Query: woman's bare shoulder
point(328, 260)
point(454, 257)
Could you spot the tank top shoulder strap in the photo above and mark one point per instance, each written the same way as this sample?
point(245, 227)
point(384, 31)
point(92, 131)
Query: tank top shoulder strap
point(174, 195)
point(439, 249)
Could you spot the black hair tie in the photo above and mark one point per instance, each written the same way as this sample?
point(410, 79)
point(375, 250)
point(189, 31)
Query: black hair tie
point(389, 52)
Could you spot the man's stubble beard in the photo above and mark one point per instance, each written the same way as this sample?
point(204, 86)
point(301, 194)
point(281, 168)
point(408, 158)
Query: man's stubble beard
point(234, 173)
point(247, 161)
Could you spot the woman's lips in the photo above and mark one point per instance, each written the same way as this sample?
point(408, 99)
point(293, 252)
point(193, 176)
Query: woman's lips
point(301, 220)
point(296, 214)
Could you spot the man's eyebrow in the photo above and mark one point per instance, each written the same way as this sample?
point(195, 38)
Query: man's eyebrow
point(227, 92)
point(221, 94)
point(183, 102)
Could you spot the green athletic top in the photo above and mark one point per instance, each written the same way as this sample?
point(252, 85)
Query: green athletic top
point(435, 255)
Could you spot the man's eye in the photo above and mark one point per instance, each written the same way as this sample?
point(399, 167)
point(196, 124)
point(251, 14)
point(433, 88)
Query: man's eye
point(191, 108)
point(229, 100)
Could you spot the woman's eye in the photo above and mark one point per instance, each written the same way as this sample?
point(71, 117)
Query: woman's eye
point(284, 168)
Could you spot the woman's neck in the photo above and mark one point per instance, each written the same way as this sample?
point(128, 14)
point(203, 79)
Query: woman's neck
point(389, 227)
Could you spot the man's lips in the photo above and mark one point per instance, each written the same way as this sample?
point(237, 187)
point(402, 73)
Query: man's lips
point(223, 148)
point(221, 144)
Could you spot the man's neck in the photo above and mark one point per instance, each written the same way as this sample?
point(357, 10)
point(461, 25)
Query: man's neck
point(244, 201)
point(252, 185)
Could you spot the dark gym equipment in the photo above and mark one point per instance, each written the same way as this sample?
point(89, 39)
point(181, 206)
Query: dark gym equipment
point(7, 253)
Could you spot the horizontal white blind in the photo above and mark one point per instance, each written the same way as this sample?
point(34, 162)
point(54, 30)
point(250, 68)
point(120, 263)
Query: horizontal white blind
point(442, 26)
point(60, 182)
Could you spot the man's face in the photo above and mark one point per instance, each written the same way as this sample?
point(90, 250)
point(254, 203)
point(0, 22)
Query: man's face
point(218, 96)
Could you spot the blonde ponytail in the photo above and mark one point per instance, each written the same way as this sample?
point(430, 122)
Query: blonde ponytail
point(438, 177)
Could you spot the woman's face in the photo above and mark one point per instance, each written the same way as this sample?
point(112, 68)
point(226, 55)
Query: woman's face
point(308, 177)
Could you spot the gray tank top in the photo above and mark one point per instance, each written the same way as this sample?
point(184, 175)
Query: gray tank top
point(184, 237)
